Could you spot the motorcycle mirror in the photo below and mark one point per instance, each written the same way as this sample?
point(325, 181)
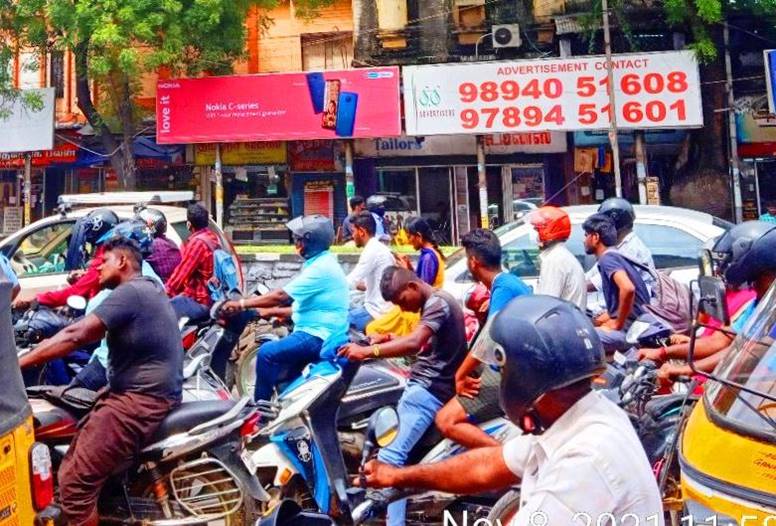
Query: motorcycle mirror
point(76, 302)
point(261, 289)
point(637, 328)
point(712, 298)
point(182, 322)
point(705, 263)
point(383, 426)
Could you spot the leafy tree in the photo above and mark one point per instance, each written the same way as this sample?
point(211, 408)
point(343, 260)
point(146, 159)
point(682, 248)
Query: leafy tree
point(116, 42)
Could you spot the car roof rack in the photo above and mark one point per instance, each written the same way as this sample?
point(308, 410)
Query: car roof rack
point(126, 198)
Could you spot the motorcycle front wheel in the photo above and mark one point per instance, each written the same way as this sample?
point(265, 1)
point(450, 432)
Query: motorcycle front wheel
point(506, 508)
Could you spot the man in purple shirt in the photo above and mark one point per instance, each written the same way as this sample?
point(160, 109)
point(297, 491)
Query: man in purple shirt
point(165, 254)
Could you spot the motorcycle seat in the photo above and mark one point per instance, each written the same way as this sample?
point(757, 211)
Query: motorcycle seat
point(189, 415)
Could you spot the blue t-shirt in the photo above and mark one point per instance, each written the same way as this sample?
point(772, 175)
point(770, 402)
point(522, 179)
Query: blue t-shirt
point(5, 267)
point(611, 263)
point(740, 323)
point(321, 297)
point(504, 289)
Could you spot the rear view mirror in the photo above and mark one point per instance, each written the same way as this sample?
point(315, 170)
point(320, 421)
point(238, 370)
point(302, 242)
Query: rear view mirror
point(77, 303)
point(705, 263)
point(383, 426)
point(712, 299)
point(261, 289)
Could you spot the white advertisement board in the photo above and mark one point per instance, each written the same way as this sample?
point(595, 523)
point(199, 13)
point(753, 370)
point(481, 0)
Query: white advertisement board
point(435, 145)
point(652, 90)
point(27, 129)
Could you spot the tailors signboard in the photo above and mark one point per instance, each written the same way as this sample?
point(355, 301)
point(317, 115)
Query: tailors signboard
point(275, 107)
point(653, 90)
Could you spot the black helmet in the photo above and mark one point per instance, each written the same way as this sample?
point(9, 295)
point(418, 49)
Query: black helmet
point(316, 233)
point(620, 210)
point(133, 229)
point(98, 222)
point(154, 219)
point(376, 204)
point(746, 251)
point(542, 344)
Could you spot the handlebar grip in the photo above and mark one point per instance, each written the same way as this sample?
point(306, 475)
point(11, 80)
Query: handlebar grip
point(376, 502)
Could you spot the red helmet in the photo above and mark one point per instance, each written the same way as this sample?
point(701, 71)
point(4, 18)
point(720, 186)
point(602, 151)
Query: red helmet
point(551, 223)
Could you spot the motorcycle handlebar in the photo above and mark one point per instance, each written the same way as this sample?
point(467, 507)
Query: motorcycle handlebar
point(376, 502)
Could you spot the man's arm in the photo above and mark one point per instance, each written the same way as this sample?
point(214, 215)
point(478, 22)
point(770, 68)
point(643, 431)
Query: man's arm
point(361, 270)
point(467, 367)
point(88, 330)
point(627, 298)
point(401, 346)
point(191, 257)
point(484, 467)
point(86, 286)
point(704, 347)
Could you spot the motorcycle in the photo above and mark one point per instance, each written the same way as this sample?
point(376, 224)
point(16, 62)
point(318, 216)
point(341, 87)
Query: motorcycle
point(302, 442)
point(36, 325)
point(191, 472)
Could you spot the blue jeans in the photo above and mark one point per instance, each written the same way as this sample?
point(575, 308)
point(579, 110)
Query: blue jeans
point(417, 409)
point(93, 376)
point(187, 307)
point(359, 318)
point(283, 360)
point(612, 341)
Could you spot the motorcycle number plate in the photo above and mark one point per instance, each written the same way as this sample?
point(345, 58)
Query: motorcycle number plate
point(245, 455)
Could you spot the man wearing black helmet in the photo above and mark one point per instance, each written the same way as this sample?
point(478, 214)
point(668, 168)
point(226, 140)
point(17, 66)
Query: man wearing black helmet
point(745, 254)
point(165, 255)
point(628, 243)
point(319, 306)
point(88, 229)
point(579, 459)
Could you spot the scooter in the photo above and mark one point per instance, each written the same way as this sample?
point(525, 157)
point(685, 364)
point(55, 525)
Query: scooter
point(301, 443)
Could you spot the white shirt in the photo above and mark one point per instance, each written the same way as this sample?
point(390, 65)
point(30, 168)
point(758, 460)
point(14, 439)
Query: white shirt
point(561, 275)
point(375, 258)
point(633, 248)
point(589, 463)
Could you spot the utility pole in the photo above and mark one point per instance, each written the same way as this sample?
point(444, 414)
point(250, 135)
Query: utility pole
point(613, 139)
point(482, 182)
point(219, 188)
point(27, 188)
point(735, 166)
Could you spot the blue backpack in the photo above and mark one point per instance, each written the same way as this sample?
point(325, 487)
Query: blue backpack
point(225, 274)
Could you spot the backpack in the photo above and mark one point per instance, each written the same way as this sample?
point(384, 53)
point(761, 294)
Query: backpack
point(671, 299)
point(225, 274)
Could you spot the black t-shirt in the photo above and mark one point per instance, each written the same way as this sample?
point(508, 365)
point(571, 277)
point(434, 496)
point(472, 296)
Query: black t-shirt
point(437, 363)
point(144, 346)
point(610, 263)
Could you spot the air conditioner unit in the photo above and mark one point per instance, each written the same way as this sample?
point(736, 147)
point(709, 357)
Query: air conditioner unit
point(506, 35)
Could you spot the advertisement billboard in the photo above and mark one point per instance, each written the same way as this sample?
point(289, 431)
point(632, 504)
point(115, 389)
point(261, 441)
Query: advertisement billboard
point(652, 90)
point(28, 128)
point(282, 106)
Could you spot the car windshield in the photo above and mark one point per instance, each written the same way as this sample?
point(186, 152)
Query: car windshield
point(751, 362)
point(501, 231)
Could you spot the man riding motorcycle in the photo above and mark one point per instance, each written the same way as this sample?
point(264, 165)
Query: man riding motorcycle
point(744, 254)
point(580, 458)
point(319, 306)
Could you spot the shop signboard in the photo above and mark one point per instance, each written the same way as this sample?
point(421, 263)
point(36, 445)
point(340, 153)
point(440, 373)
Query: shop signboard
point(311, 156)
point(653, 90)
point(756, 134)
point(63, 153)
point(29, 127)
point(282, 106)
point(241, 153)
point(319, 198)
point(496, 144)
point(12, 219)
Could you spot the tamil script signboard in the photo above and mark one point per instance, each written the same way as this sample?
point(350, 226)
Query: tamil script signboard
point(28, 127)
point(653, 90)
point(278, 107)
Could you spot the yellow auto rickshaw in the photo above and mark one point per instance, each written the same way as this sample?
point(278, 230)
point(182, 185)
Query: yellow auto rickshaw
point(728, 448)
point(26, 480)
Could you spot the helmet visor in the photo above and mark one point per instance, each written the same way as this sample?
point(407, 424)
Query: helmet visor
point(485, 348)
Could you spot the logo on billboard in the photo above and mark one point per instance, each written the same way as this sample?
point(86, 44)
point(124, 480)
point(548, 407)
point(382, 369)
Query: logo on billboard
point(430, 97)
point(380, 75)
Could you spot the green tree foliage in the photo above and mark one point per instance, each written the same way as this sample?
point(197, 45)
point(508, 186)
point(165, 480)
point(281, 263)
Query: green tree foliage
point(116, 42)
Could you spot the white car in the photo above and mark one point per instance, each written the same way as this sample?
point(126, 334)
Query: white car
point(37, 251)
point(674, 235)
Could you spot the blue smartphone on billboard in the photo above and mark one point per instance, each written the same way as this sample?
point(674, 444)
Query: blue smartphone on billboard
point(770, 78)
point(346, 114)
point(317, 87)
